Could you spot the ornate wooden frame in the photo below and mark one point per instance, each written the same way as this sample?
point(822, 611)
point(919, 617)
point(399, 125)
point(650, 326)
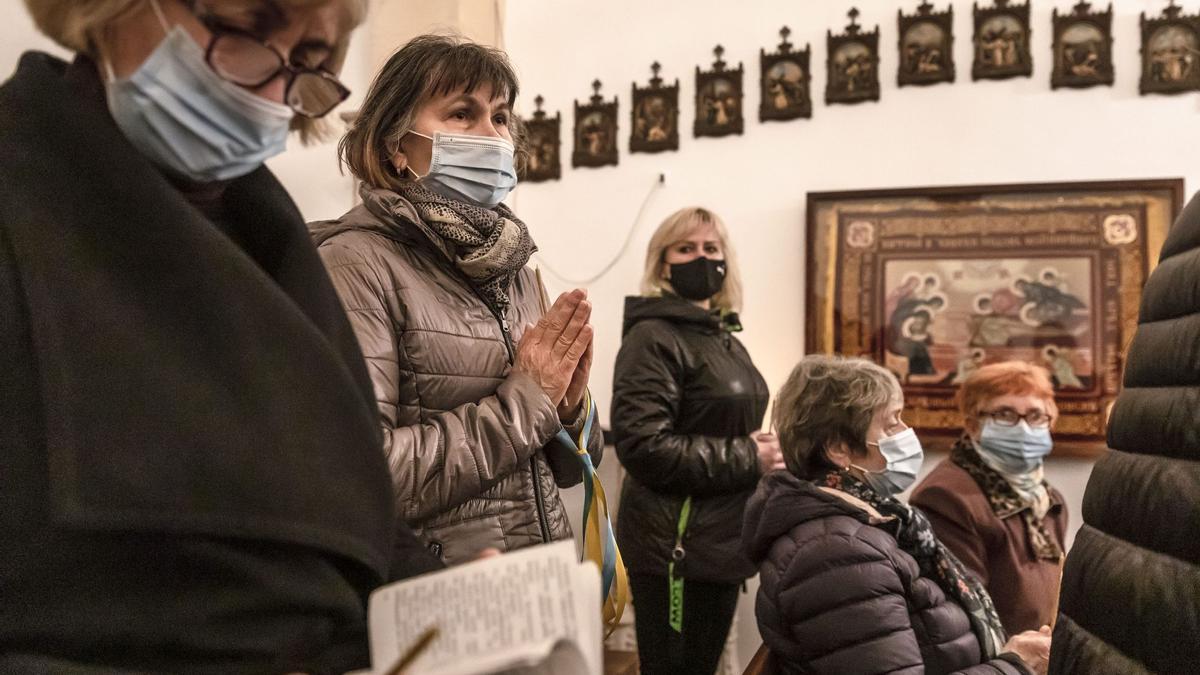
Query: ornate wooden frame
point(644, 137)
point(605, 113)
point(931, 282)
point(717, 114)
point(797, 105)
point(1155, 71)
point(1080, 64)
point(841, 85)
point(542, 146)
point(1021, 57)
point(936, 63)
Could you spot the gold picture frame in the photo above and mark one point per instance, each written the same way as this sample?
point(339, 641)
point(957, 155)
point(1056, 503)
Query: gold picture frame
point(933, 282)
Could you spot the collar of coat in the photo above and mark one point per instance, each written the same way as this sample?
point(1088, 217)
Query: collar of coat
point(197, 377)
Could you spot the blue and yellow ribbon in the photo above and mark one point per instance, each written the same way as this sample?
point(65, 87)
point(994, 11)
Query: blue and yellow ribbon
point(599, 543)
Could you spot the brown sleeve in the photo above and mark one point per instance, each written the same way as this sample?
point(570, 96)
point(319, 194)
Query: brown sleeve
point(954, 526)
point(1061, 521)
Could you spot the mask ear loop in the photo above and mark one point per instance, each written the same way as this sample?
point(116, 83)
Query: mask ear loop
point(162, 18)
point(408, 167)
point(162, 22)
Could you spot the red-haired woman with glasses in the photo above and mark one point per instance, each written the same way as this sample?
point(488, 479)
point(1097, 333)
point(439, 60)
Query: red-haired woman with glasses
point(190, 469)
point(990, 503)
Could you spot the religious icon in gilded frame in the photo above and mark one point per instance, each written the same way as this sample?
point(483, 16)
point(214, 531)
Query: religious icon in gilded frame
point(542, 140)
point(933, 282)
point(784, 81)
point(595, 131)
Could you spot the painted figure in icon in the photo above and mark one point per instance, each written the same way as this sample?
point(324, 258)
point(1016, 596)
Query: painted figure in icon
point(999, 41)
point(653, 121)
point(967, 365)
point(785, 82)
point(908, 331)
point(1173, 54)
point(1062, 373)
point(1045, 303)
point(595, 136)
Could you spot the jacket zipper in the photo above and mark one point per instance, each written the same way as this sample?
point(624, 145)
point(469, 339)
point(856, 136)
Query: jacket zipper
point(505, 329)
point(538, 498)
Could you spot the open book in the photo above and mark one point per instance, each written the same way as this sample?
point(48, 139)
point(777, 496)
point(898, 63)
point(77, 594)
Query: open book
point(533, 611)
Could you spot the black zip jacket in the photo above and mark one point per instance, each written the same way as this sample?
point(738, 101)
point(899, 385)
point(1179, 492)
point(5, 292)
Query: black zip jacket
point(686, 398)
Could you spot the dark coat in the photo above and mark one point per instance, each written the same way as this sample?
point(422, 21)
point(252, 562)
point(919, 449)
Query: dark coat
point(997, 550)
point(1130, 597)
point(686, 398)
point(190, 471)
point(839, 596)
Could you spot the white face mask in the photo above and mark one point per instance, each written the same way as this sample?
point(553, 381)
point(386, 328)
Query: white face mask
point(904, 457)
point(477, 170)
point(1017, 449)
point(181, 115)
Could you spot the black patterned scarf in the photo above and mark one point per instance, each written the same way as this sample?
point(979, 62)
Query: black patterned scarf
point(490, 246)
point(915, 536)
point(1005, 501)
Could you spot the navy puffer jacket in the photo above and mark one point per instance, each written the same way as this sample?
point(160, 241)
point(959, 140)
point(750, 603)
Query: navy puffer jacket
point(838, 595)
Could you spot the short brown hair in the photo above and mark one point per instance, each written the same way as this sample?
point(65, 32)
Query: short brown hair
point(829, 400)
point(1016, 378)
point(428, 66)
point(74, 24)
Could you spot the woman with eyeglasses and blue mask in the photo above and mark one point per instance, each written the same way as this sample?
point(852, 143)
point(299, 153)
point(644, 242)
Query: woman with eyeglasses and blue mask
point(853, 579)
point(190, 474)
point(990, 502)
point(474, 381)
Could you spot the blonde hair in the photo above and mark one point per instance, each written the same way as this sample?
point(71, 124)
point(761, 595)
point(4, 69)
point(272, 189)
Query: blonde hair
point(675, 228)
point(76, 24)
point(425, 67)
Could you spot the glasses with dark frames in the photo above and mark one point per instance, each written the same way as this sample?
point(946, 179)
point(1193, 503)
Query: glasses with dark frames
point(1009, 418)
point(246, 60)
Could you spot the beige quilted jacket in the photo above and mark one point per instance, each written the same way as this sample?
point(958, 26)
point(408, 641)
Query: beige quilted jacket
point(470, 444)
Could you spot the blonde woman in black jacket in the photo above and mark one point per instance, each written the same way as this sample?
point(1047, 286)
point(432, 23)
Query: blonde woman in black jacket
point(687, 402)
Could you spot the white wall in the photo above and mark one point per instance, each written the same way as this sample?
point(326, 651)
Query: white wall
point(965, 133)
point(17, 35)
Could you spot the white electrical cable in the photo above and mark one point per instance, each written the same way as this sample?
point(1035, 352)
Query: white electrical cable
point(659, 180)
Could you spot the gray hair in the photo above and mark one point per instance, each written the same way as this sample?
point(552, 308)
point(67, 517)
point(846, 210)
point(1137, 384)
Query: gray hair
point(829, 400)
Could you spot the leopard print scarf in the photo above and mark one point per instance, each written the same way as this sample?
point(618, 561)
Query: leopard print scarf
point(1005, 501)
point(489, 246)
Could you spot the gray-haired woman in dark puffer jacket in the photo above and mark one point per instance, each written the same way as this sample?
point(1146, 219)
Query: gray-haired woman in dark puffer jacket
point(853, 580)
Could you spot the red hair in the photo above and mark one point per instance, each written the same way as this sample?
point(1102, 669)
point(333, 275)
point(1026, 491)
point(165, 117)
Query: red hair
point(1016, 378)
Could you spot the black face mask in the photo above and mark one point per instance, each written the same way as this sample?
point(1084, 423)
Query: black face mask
point(699, 279)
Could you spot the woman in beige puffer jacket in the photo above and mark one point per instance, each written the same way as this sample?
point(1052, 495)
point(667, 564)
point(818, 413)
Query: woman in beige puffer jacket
point(470, 410)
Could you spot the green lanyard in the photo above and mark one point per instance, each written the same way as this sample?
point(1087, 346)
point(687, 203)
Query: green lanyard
point(675, 615)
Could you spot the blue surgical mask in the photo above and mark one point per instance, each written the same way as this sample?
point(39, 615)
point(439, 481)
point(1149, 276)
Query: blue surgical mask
point(1016, 449)
point(473, 169)
point(904, 457)
point(183, 116)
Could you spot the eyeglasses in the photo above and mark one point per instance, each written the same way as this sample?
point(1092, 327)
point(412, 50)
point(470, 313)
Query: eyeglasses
point(244, 59)
point(1009, 418)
